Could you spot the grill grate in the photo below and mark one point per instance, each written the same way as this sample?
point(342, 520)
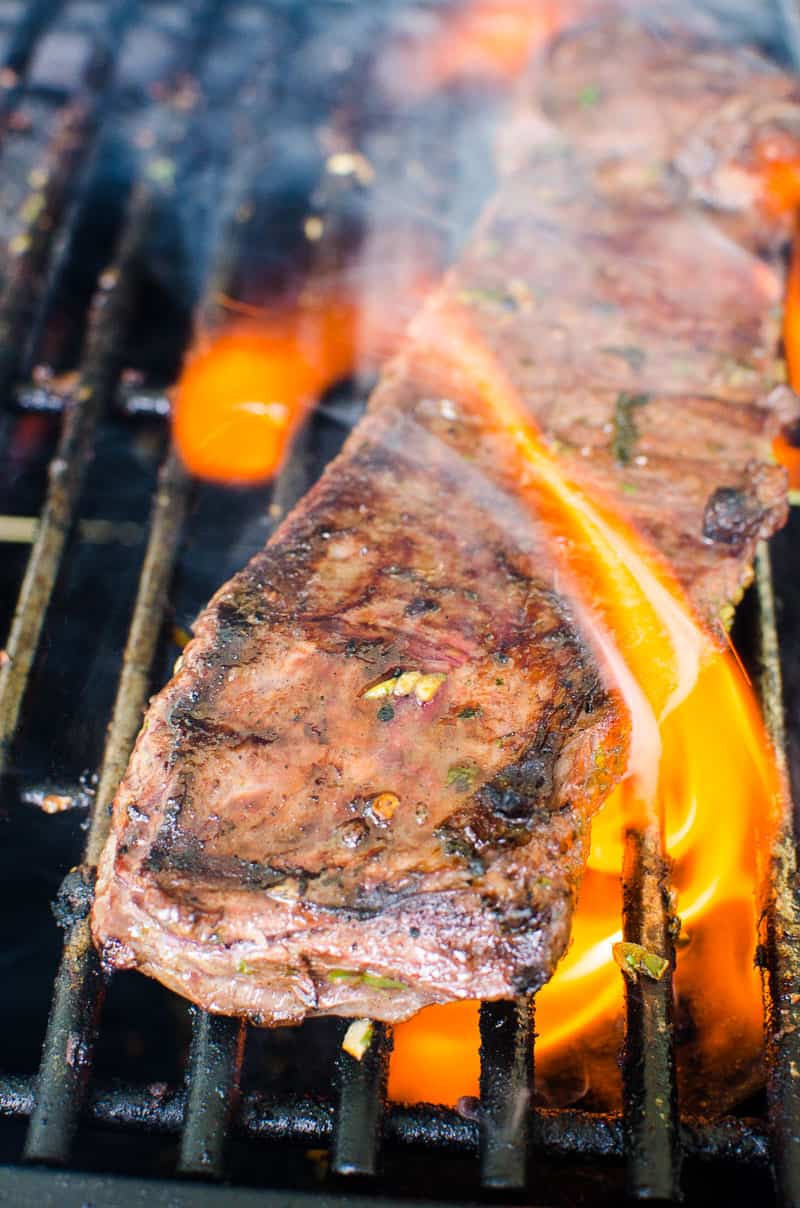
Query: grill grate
point(510, 1134)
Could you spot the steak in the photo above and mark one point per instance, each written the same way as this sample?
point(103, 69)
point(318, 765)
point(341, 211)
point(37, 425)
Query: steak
point(368, 785)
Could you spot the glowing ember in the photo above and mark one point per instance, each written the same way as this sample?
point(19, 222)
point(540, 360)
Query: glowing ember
point(700, 758)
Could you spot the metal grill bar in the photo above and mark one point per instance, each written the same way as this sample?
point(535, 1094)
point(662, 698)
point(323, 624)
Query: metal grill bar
point(169, 508)
point(217, 1044)
point(46, 203)
point(99, 374)
point(78, 989)
point(559, 1132)
point(35, 20)
point(362, 1103)
point(506, 1030)
point(780, 920)
point(213, 1085)
point(66, 471)
point(64, 1070)
point(201, 22)
point(649, 1091)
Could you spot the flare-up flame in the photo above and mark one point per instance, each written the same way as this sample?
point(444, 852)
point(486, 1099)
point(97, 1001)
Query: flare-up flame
point(487, 42)
point(247, 387)
point(786, 450)
point(700, 761)
point(778, 174)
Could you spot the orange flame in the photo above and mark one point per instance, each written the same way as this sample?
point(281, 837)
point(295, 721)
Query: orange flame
point(484, 41)
point(779, 174)
point(786, 452)
point(246, 389)
point(700, 759)
point(243, 394)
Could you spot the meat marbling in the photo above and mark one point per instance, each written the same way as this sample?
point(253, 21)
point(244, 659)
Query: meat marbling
point(287, 842)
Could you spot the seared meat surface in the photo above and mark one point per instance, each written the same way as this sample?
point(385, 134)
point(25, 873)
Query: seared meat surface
point(368, 786)
point(286, 827)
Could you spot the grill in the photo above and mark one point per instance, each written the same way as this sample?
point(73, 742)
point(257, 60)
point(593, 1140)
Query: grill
point(69, 1115)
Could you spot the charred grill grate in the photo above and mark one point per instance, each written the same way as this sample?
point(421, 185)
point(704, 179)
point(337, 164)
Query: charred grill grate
point(508, 1135)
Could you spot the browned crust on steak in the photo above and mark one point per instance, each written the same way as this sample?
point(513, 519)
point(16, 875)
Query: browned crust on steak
point(247, 867)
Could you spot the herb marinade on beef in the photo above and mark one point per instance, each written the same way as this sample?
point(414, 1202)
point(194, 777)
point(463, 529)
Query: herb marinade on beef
point(368, 786)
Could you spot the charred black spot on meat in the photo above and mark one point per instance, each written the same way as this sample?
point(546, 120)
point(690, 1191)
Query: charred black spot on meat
point(367, 649)
point(525, 791)
point(731, 517)
point(529, 979)
point(510, 570)
point(177, 851)
point(473, 832)
point(238, 612)
point(353, 833)
point(231, 618)
point(593, 691)
point(522, 788)
point(792, 434)
point(420, 605)
point(522, 916)
point(190, 723)
point(184, 854)
point(457, 843)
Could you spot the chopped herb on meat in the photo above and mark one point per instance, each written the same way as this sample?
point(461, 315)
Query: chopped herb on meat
point(461, 777)
point(356, 978)
point(625, 430)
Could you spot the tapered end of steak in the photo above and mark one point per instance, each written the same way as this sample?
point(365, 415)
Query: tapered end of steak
point(368, 786)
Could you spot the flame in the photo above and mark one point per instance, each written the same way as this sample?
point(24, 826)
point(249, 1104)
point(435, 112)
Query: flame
point(246, 389)
point(484, 41)
point(787, 452)
point(778, 169)
point(244, 393)
point(700, 761)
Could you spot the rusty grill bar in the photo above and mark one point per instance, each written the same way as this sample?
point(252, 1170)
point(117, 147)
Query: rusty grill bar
point(508, 1133)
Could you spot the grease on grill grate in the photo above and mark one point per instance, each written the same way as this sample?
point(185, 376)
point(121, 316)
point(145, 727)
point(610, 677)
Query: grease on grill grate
point(111, 126)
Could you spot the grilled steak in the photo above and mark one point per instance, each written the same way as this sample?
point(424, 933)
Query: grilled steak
point(289, 840)
point(368, 785)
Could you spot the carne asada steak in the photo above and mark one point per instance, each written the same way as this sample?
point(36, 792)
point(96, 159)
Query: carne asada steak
point(368, 786)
